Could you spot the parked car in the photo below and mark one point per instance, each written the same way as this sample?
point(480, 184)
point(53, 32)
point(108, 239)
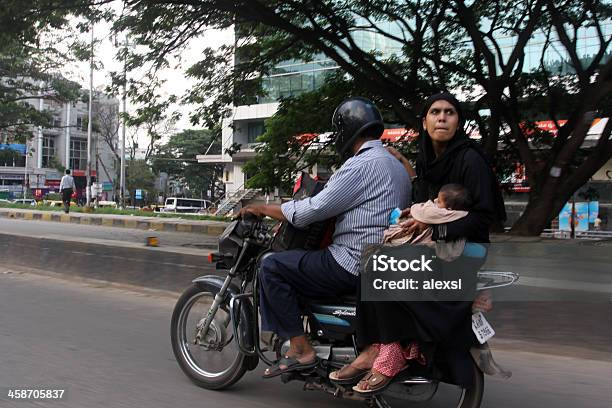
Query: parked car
point(185, 205)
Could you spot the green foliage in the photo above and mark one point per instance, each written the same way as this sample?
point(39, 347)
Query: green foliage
point(31, 63)
point(108, 210)
point(476, 48)
point(282, 153)
point(177, 158)
point(53, 197)
point(138, 175)
point(57, 164)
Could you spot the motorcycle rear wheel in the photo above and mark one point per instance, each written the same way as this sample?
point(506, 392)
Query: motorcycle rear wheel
point(446, 395)
point(472, 397)
point(189, 309)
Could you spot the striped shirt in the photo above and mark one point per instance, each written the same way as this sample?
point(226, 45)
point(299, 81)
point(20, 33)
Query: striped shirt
point(361, 195)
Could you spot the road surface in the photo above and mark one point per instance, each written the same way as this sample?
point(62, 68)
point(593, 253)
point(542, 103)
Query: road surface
point(109, 347)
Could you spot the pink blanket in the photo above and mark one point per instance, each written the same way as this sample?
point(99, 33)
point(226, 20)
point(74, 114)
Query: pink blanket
point(428, 213)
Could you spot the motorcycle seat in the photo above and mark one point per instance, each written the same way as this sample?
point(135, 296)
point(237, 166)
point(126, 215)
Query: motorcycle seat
point(350, 299)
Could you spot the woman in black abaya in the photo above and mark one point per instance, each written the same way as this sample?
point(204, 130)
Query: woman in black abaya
point(446, 155)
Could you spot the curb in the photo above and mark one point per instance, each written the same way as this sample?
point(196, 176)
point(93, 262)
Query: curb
point(143, 223)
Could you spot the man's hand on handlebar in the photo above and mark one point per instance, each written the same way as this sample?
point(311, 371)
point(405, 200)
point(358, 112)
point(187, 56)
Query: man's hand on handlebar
point(262, 210)
point(252, 209)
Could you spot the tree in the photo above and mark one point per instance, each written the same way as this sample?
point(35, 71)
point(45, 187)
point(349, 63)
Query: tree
point(152, 115)
point(288, 144)
point(31, 62)
point(447, 44)
point(139, 176)
point(177, 158)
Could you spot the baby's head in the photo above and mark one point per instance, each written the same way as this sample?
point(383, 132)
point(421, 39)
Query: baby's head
point(454, 197)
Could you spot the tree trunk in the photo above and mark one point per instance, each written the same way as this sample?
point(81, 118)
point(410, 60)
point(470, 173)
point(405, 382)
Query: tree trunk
point(534, 219)
point(543, 207)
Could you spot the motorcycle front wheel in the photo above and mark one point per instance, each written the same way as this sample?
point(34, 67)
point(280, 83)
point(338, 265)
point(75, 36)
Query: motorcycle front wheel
point(214, 361)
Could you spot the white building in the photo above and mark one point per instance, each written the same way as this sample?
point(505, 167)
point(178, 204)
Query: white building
point(63, 146)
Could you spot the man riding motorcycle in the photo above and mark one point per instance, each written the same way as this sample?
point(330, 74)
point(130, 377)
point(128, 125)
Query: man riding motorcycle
point(366, 188)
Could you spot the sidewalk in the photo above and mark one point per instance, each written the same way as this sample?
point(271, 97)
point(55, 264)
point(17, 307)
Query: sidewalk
point(123, 221)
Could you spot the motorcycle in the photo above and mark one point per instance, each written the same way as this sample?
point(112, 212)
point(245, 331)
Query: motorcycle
point(216, 337)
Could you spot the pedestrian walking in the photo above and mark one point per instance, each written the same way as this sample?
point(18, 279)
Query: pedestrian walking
point(597, 224)
point(66, 189)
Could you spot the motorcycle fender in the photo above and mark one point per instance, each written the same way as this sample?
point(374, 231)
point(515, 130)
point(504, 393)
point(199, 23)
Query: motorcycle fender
point(213, 284)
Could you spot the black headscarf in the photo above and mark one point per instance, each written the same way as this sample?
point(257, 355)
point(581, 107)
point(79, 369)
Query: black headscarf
point(432, 170)
point(429, 167)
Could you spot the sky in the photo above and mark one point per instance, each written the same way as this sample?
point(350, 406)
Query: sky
point(177, 82)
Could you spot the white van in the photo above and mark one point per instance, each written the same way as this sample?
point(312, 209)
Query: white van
point(185, 205)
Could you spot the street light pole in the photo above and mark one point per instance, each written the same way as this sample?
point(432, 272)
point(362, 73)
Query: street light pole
point(91, 68)
point(124, 109)
point(25, 171)
point(123, 133)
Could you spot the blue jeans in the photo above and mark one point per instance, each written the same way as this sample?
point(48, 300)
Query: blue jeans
point(285, 277)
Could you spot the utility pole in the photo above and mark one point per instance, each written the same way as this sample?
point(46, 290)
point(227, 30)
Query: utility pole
point(124, 109)
point(91, 68)
point(25, 171)
point(124, 112)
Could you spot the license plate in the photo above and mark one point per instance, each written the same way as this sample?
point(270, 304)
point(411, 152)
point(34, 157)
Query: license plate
point(481, 328)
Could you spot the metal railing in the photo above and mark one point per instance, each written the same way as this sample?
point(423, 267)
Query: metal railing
point(232, 198)
point(555, 233)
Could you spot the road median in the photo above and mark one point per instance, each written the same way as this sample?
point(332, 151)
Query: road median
point(122, 221)
point(165, 268)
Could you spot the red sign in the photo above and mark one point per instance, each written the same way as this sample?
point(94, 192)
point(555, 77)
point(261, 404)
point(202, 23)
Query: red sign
point(81, 173)
point(389, 135)
point(52, 183)
point(399, 135)
point(550, 126)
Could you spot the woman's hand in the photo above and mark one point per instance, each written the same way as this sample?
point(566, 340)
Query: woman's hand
point(412, 226)
point(396, 153)
point(417, 227)
point(403, 160)
point(483, 301)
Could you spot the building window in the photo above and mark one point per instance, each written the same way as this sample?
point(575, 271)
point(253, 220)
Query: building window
point(78, 154)
point(11, 158)
point(57, 121)
point(48, 150)
point(81, 123)
point(255, 129)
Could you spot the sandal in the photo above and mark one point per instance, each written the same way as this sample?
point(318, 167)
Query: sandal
point(375, 381)
point(348, 374)
point(291, 364)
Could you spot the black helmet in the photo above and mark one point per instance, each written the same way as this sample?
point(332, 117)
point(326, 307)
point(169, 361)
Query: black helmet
point(351, 118)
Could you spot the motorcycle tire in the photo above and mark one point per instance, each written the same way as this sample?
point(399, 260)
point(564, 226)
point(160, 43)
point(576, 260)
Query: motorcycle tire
point(179, 336)
point(472, 397)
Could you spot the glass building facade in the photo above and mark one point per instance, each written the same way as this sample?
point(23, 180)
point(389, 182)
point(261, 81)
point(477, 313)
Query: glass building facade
point(556, 59)
point(292, 78)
